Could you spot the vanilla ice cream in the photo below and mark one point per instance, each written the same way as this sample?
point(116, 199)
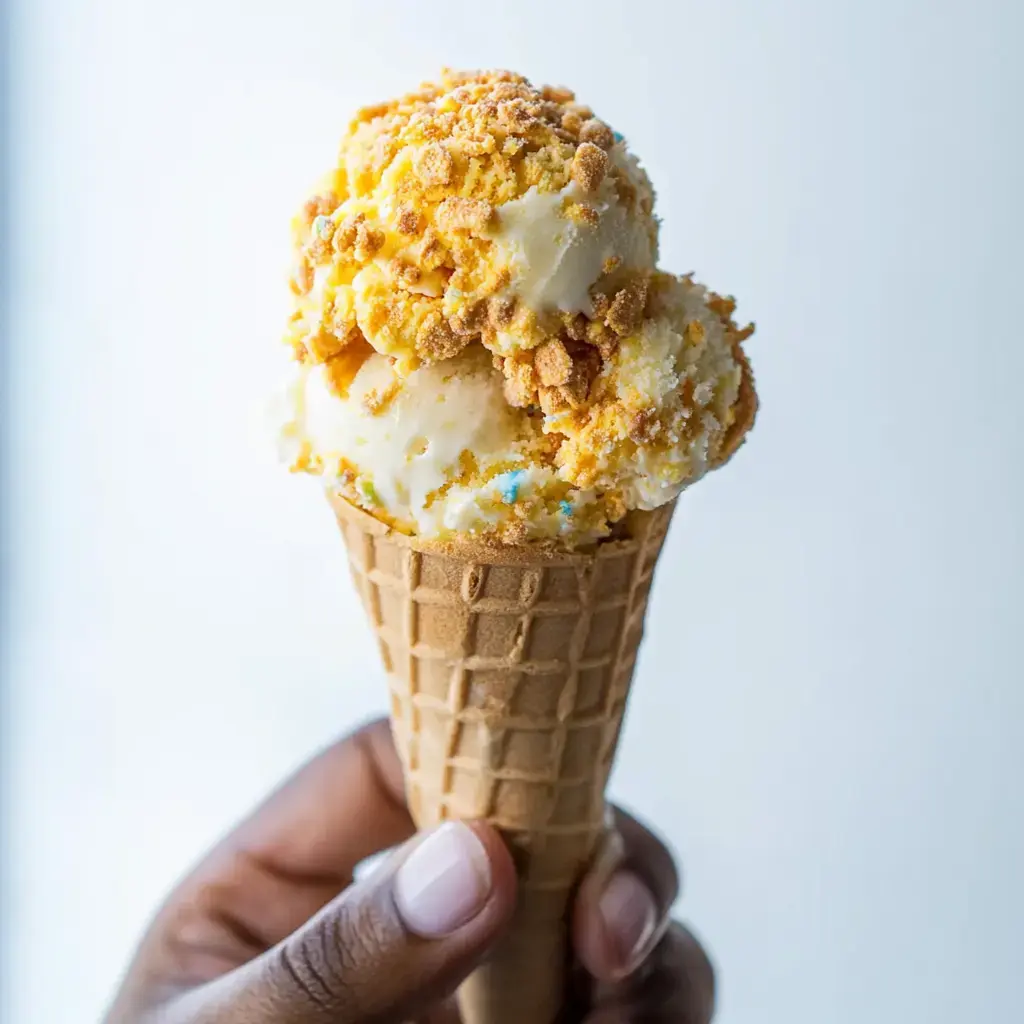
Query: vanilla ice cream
point(484, 346)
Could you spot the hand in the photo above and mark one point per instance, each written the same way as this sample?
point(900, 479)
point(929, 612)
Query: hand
point(271, 928)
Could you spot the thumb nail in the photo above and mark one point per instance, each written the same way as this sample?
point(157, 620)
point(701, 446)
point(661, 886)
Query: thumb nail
point(630, 916)
point(444, 882)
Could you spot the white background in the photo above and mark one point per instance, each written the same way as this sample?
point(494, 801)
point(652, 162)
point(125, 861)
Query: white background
point(829, 716)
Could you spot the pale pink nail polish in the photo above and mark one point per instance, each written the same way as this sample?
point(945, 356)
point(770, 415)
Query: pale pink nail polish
point(630, 914)
point(444, 882)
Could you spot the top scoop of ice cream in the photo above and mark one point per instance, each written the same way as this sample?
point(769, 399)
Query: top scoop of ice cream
point(484, 345)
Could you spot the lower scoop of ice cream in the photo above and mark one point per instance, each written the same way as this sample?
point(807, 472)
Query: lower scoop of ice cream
point(437, 453)
point(441, 453)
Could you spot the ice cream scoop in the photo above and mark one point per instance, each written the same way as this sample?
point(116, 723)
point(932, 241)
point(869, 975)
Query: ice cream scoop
point(484, 344)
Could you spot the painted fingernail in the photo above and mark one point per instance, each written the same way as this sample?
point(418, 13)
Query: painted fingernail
point(631, 917)
point(444, 882)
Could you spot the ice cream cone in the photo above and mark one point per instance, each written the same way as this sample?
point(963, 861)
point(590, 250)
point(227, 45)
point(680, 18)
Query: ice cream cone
point(509, 669)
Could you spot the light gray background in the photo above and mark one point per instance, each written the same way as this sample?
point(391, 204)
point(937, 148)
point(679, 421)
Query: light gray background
point(827, 722)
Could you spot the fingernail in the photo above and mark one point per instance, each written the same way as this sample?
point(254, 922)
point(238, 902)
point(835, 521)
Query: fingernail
point(631, 918)
point(444, 882)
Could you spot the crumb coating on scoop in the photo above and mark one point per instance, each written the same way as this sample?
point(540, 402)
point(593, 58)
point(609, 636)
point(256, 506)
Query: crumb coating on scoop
point(483, 218)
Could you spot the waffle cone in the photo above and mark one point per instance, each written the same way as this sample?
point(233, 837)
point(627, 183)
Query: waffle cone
point(509, 669)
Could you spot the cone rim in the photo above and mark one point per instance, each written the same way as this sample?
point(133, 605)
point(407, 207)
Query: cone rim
point(638, 525)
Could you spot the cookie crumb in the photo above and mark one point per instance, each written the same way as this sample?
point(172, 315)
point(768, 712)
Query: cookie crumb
point(433, 164)
point(375, 402)
point(552, 401)
point(469, 320)
point(325, 345)
point(616, 507)
point(557, 94)
point(575, 325)
point(369, 241)
point(345, 234)
point(607, 345)
point(458, 214)
point(552, 363)
point(589, 166)
point(626, 312)
point(319, 250)
point(408, 220)
point(404, 274)
point(586, 365)
point(432, 252)
point(597, 133)
point(319, 206)
point(345, 326)
point(582, 213)
point(600, 302)
point(500, 310)
point(520, 383)
point(572, 123)
point(302, 277)
point(435, 339)
point(723, 306)
point(343, 367)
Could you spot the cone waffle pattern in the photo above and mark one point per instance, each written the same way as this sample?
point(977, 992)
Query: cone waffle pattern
point(509, 670)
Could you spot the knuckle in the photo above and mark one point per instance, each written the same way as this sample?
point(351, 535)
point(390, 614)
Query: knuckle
point(309, 973)
point(359, 934)
point(338, 964)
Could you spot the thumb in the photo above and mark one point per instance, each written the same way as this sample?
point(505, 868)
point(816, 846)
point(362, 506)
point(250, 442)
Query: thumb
point(386, 949)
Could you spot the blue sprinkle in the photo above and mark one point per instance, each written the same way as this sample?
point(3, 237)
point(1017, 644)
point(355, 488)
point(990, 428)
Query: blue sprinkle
point(508, 484)
point(566, 509)
point(618, 136)
point(322, 226)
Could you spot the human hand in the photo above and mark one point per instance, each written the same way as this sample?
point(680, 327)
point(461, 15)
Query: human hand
point(271, 928)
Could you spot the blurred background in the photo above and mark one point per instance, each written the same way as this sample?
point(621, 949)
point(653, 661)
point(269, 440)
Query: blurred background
point(828, 721)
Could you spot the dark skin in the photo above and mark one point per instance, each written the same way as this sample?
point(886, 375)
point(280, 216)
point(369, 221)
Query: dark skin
point(271, 929)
